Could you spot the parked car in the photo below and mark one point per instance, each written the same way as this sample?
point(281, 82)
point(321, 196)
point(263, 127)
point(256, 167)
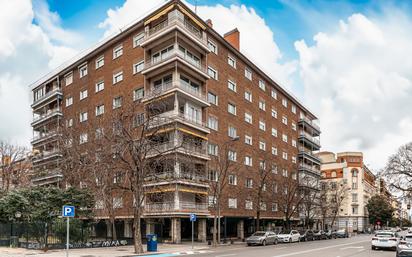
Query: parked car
point(289, 236)
point(319, 234)
point(385, 239)
point(342, 233)
point(404, 247)
point(262, 238)
point(331, 234)
point(306, 235)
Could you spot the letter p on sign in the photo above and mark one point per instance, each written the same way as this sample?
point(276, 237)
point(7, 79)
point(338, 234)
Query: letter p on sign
point(68, 211)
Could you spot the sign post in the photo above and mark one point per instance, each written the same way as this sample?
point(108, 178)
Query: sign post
point(193, 219)
point(67, 212)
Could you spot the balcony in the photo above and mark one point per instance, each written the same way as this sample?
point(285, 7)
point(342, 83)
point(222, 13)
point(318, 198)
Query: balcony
point(309, 155)
point(47, 155)
point(306, 121)
point(42, 137)
point(184, 177)
point(179, 147)
point(179, 85)
point(170, 117)
point(314, 142)
point(51, 177)
point(177, 21)
point(48, 115)
point(175, 55)
point(52, 93)
point(179, 207)
point(308, 168)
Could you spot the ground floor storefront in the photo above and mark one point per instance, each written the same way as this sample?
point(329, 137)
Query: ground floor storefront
point(351, 224)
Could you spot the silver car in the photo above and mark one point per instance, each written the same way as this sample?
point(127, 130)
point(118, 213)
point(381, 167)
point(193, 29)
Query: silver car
point(404, 247)
point(262, 238)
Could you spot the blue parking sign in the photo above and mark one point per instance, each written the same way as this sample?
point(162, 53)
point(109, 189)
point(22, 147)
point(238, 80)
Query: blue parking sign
point(68, 211)
point(192, 217)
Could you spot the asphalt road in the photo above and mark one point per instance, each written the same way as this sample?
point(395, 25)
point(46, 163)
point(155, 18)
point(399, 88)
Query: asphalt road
point(357, 246)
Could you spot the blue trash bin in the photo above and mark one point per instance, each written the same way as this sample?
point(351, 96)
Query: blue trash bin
point(151, 242)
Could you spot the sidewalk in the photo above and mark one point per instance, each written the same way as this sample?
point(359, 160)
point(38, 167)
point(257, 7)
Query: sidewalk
point(122, 251)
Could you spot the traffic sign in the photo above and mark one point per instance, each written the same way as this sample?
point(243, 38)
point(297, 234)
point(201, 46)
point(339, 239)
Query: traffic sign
point(192, 217)
point(68, 211)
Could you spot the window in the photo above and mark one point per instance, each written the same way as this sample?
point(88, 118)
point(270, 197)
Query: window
point(248, 140)
point(248, 117)
point(248, 205)
point(117, 102)
point(262, 165)
point(285, 102)
point(294, 126)
point(138, 39)
point(212, 149)
point(294, 175)
point(117, 202)
point(274, 132)
point(99, 62)
point(274, 169)
point(69, 122)
point(212, 200)
point(68, 78)
point(232, 180)
point(231, 85)
point(69, 101)
point(99, 86)
point(232, 155)
point(138, 94)
point(117, 77)
point(248, 74)
point(249, 183)
point(248, 161)
point(212, 72)
point(83, 116)
point(99, 133)
point(284, 172)
point(231, 61)
point(262, 145)
point(354, 198)
point(285, 155)
point(118, 177)
point(83, 71)
point(333, 174)
point(232, 132)
point(138, 67)
point(274, 207)
point(262, 105)
point(212, 46)
point(275, 187)
point(274, 150)
point(212, 98)
point(262, 85)
point(99, 110)
point(294, 144)
point(138, 119)
point(354, 210)
point(231, 108)
point(274, 94)
point(232, 203)
point(285, 138)
point(285, 120)
point(83, 94)
point(262, 125)
point(262, 206)
point(83, 138)
point(294, 109)
point(117, 51)
point(212, 123)
point(274, 113)
point(248, 96)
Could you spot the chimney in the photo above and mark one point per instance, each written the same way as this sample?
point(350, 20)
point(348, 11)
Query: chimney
point(233, 38)
point(209, 23)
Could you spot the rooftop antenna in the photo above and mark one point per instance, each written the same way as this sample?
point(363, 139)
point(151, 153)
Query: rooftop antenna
point(196, 6)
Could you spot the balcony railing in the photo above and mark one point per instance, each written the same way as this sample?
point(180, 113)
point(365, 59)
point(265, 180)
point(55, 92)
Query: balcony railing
point(172, 20)
point(165, 87)
point(170, 146)
point(44, 136)
point(46, 154)
point(304, 150)
point(309, 137)
point(195, 177)
point(171, 206)
point(310, 122)
point(175, 53)
point(47, 115)
point(167, 117)
point(309, 167)
point(51, 92)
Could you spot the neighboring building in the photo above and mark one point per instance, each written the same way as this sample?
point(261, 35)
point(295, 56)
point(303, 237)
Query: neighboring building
point(15, 174)
point(347, 170)
point(213, 93)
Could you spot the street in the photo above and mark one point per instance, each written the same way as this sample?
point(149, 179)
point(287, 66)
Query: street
point(358, 246)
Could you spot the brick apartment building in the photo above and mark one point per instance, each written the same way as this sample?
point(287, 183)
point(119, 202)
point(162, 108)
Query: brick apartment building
point(359, 184)
point(213, 94)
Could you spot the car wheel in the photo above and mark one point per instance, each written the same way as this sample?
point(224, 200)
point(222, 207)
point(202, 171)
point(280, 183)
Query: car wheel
point(373, 247)
point(248, 244)
point(290, 240)
point(264, 242)
point(275, 242)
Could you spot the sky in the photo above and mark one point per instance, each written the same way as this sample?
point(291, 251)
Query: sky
point(347, 61)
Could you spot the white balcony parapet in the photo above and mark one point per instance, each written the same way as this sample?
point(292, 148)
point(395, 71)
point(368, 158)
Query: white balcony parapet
point(172, 207)
point(44, 136)
point(309, 167)
point(47, 155)
point(54, 91)
point(310, 122)
point(167, 87)
point(47, 115)
point(198, 178)
point(309, 137)
point(168, 117)
point(185, 148)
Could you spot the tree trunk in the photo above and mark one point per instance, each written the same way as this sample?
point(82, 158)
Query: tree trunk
point(215, 231)
point(113, 223)
point(138, 247)
point(257, 219)
point(218, 222)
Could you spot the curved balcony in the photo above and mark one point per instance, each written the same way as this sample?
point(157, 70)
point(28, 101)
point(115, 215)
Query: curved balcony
point(179, 147)
point(48, 115)
point(309, 155)
point(43, 137)
point(47, 155)
point(55, 92)
point(310, 140)
point(178, 207)
point(170, 117)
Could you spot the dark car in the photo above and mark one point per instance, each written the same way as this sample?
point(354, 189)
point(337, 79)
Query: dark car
point(306, 235)
point(331, 234)
point(320, 234)
point(342, 233)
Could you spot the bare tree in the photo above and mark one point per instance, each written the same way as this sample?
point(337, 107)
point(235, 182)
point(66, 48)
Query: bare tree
point(335, 197)
point(12, 166)
point(223, 163)
point(310, 204)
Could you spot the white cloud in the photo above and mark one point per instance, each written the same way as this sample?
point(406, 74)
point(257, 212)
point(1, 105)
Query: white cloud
point(256, 38)
point(358, 79)
point(26, 53)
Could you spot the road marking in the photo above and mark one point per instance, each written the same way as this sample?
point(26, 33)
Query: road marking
point(352, 247)
point(225, 255)
point(318, 249)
